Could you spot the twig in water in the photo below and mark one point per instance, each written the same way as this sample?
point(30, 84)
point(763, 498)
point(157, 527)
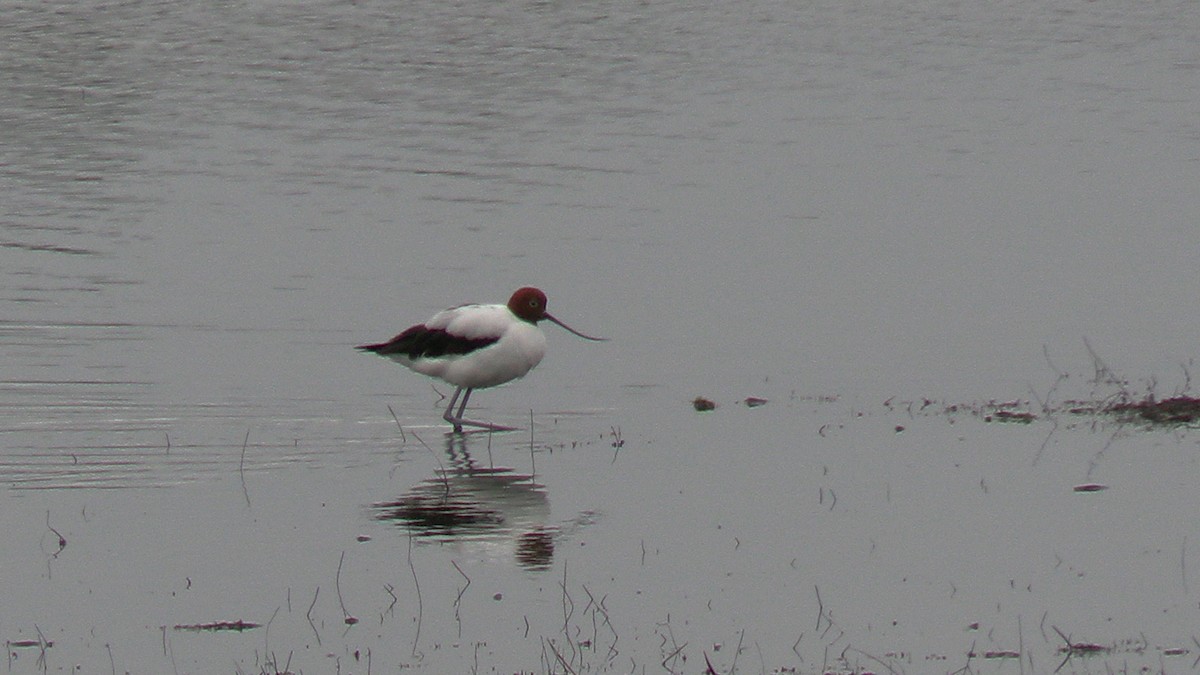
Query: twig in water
point(1104, 374)
point(1073, 648)
point(170, 651)
point(441, 468)
point(733, 666)
point(242, 468)
point(672, 655)
point(62, 541)
point(558, 656)
point(568, 605)
point(1046, 441)
point(403, 438)
point(491, 462)
point(43, 644)
point(391, 608)
point(420, 606)
point(308, 615)
point(820, 606)
point(967, 667)
point(669, 636)
point(458, 600)
point(828, 616)
point(1066, 649)
point(267, 633)
point(1094, 463)
point(598, 607)
point(1187, 379)
point(337, 584)
point(1021, 646)
point(1059, 377)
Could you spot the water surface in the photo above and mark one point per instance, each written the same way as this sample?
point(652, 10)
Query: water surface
point(862, 212)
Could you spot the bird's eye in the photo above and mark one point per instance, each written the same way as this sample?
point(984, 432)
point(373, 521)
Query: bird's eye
point(533, 303)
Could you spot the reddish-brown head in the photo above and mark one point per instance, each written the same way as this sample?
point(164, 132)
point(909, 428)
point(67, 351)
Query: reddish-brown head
point(529, 304)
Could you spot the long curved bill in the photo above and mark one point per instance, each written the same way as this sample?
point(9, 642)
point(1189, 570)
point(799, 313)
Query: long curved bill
point(572, 330)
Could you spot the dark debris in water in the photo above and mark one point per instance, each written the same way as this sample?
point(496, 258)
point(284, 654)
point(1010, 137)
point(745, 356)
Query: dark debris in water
point(1014, 412)
point(1170, 412)
point(1174, 410)
point(215, 626)
point(43, 644)
point(1021, 417)
point(704, 404)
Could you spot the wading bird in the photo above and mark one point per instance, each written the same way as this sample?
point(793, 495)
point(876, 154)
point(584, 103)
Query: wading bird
point(476, 346)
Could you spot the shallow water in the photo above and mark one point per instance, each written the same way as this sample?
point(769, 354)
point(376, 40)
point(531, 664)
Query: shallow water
point(845, 208)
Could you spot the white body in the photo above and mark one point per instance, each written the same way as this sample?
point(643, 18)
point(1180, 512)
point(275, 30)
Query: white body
point(521, 347)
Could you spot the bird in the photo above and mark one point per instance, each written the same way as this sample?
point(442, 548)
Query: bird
point(475, 347)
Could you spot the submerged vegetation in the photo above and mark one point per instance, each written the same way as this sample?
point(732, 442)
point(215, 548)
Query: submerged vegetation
point(1175, 410)
point(1178, 410)
point(1111, 398)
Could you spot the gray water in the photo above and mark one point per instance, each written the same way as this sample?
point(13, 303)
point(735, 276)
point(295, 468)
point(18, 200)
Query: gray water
point(863, 212)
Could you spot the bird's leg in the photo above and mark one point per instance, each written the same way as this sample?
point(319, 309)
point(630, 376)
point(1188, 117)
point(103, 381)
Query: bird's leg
point(463, 406)
point(449, 417)
point(459, 422)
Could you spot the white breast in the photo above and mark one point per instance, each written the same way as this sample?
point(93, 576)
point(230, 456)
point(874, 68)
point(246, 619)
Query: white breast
point(521, 347)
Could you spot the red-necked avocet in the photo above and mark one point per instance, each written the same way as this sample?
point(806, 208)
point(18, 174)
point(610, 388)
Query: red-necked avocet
point(476, 346)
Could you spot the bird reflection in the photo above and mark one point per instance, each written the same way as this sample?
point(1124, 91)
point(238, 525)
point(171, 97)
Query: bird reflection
point(489, 510)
